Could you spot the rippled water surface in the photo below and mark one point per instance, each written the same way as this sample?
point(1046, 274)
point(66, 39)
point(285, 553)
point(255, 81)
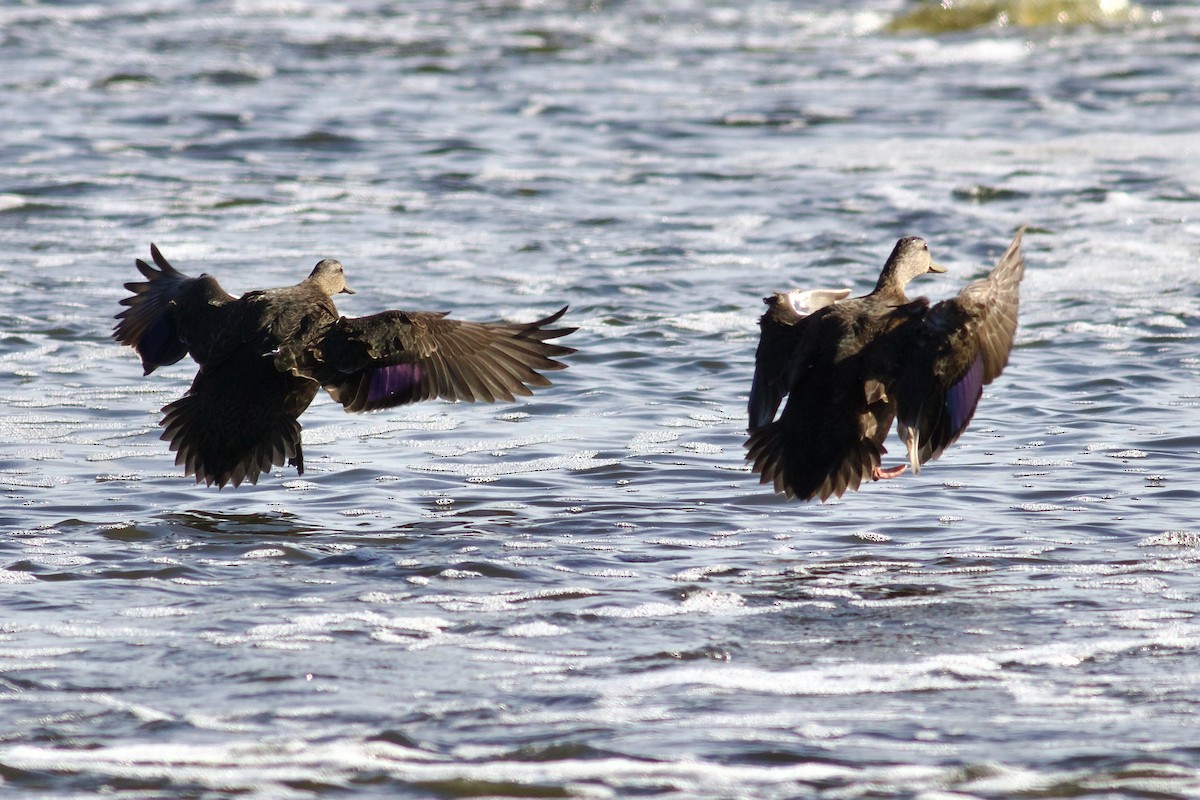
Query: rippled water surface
point(586, 594)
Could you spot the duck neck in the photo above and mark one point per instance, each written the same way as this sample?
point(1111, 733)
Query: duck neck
point(890, 285)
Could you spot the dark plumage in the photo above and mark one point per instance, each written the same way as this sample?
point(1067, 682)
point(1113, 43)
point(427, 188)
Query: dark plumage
point(264, 355)
point(850, 368)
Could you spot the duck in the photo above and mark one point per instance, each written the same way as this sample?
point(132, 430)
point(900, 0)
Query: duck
point(263, 357)
point(849, 368)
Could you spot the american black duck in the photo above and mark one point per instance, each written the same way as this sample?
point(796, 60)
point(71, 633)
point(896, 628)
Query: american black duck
point(264, 355)
point(853, 366)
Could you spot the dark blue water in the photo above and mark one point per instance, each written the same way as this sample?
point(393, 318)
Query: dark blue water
point(586, 594)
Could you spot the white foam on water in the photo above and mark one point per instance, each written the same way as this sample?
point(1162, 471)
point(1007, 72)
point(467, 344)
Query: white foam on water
point(648, 442)
point(156, 612)
point(454, 449)
point(264, 552)
point(1188, 539)
point(534, 629)
point(714, 322)
point(250, 766)
point(22, 653)
point(585, 459)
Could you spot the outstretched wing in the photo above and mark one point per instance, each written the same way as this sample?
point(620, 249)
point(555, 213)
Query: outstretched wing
point(397, 357)
point(961, 345)
point(151, 324)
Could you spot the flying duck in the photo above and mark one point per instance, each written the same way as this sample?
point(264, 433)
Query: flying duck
point(264, 355)
point(851, 367)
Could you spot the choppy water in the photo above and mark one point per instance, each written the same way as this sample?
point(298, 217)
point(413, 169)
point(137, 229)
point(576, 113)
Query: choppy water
point(586, 594)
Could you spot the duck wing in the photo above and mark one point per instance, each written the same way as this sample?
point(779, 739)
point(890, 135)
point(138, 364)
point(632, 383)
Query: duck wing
point(830, 435)
point(780, 346)
point(397, 357)
point(960, 345)
point(781, 341)
point(155, 322)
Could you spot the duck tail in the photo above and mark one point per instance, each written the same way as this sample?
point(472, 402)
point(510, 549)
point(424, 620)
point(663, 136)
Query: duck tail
point(232, 426)
point(767, 453)
point(228, 452)
point(808, 472)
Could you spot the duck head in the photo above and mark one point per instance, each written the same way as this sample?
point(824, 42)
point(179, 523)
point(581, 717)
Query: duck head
point(909, 259)
point(330, 278)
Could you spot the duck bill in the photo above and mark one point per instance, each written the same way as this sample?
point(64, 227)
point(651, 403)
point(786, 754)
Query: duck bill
point(346, 290)
point(935, 267)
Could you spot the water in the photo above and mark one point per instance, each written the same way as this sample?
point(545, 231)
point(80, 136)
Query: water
point(585, 594)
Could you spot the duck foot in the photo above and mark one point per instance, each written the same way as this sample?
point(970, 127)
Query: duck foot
point(298, 460)
point(881, 474)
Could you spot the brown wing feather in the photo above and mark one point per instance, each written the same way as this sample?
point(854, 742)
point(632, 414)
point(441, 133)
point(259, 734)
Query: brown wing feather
point(995, 301)
point(781, 344)
point(961, 345)
point(397, 357)
point(151, 324)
